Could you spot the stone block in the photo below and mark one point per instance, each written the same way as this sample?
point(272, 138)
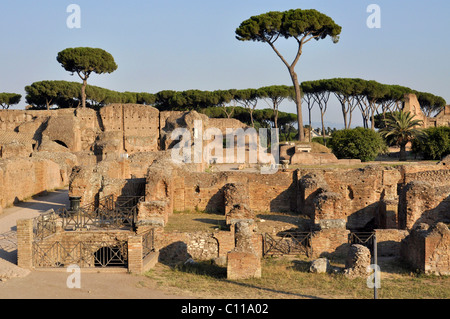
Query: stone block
point(320, 266)
point(153, 213)
point(242, 265)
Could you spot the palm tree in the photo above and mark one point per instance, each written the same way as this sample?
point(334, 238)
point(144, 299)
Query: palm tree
point(401, 128)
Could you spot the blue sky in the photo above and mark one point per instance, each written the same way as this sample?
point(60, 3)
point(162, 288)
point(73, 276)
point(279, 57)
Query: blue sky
point(181, 45)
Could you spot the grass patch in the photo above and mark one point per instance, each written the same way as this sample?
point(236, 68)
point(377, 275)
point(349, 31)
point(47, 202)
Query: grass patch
point(193, 221)
point(285, 278)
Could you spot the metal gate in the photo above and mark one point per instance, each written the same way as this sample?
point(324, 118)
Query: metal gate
point(287, 243)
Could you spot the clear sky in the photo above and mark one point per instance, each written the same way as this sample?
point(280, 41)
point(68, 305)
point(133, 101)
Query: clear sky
point(179, 45)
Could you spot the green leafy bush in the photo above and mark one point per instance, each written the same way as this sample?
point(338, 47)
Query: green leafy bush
point(358, 143)
point(435, 145)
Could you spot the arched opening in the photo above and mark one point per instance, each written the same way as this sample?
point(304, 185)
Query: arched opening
point(110, 256)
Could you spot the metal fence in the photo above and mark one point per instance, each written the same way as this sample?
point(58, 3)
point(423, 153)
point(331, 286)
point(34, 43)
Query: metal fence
point(45, 225)
point(83, 254)
point(288, 243)
point(148, 243)
point(100, 218)
point(105, 214)
point(362, 238)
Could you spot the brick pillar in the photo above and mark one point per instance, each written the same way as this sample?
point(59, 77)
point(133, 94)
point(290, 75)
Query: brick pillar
point(242, 261)
point(25, 243)
point(135, 262)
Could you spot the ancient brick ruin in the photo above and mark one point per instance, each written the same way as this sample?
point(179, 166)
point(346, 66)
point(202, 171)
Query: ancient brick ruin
point(124, 151)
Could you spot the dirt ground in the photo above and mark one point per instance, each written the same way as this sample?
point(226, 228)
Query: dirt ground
point(53, 285)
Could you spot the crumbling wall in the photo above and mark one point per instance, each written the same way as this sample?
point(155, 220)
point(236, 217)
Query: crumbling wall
point(12, 120)
point(179, 246)
point(357, 262)
point(428, 249)
point(350, 195)
point(243, 261)
point(94, 182)
point(138, 125)
point(421, 202)
point(204, 191)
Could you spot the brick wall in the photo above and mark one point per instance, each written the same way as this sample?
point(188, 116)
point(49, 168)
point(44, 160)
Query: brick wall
point(350, 194)
point(139, 125)
point(427, 249)
point(421, 202)
point(243, 265)
point(25, 243)
point(389, 241)
point(22, 178)
point(439, 175)
point(204, 191)
point(179, 246)
point(330, 242)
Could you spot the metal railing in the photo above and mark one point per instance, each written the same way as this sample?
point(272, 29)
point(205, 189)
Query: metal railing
point(45, 225)
point(106, 214)
point(288, 243)
point(128, 201)
point(106, 203)
point(83, 254)
point(362, 238)
point(148, 243)
point(100, 218)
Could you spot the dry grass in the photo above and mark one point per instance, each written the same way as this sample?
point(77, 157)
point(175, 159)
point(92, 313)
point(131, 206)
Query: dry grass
point(194, 221)
point(285, 278)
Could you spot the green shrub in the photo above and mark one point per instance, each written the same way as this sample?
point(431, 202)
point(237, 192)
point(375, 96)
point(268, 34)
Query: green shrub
point(358, 143)
point(435, 145)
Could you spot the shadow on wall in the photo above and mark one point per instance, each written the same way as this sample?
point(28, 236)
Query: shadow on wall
point(364, 220)
point(174, 253)
point(286, 201)
point(423, 197)
point(440, 213)
point(339, 254)
point(216, 204)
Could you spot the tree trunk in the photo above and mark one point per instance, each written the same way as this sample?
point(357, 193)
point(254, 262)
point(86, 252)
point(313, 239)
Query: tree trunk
point(310, 125)
point(298, 102)
point(372, 126)
point(403, 152)
point(323, 128)
point(345, 118)
point(83, 94)
point(275, 115)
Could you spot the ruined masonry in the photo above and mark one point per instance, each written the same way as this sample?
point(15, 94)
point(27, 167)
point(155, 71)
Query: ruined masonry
point(117, 163)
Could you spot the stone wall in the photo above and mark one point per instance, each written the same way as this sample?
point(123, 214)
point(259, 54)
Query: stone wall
point(421, 202)
point(179, 246)
point(138, 125)
point(21, 178)
point(332, 242)
point(204, 191)
point(427, 249)
point(353, 195)
point(389, 241)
